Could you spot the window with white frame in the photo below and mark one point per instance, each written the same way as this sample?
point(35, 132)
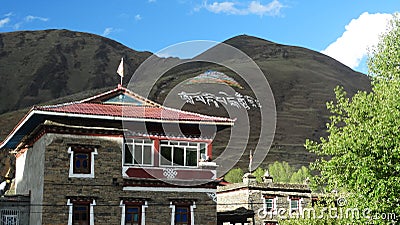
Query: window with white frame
point(10, 217)
point(133, 212)
point(295, 204)
point(81, 212)
point(182, 212)
point(138, 152)
point(270, 203)
point(181, 153)
point(82, 160)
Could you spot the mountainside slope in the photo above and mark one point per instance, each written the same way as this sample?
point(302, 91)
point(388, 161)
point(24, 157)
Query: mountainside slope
point(39, 66)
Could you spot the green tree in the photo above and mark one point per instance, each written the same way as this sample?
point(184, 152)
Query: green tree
point(234, 175)
point(259, 173)
point(362, 152)
point(281, 171)
point(300, 176)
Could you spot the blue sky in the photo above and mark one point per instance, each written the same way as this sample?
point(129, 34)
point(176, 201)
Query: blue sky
point(342, 29)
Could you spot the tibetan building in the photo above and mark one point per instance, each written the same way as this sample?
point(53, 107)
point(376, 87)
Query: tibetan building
point(116, 158)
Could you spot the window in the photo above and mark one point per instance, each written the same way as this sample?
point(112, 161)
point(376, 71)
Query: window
point(182, 215)
point(133, 212)
point(82, 160)
point(138, 152)
point(81, 212)
point(269, 204)
point(9, 217)
point(178, 153)
point(132, 215)
point(182, 212)
point(294, 204)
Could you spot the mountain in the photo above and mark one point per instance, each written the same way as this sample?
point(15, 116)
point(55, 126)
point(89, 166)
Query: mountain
point(49, 66)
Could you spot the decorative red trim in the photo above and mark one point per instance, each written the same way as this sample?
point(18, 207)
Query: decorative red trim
point(182, 173)
point(156, 151)
point(133, 202)
point(158, 183)
point(209, 150)
point(21, 152)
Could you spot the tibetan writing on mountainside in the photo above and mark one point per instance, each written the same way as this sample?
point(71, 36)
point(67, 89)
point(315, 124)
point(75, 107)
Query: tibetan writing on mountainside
point(237, 100)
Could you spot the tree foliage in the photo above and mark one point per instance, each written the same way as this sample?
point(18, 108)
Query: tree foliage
point(363, 146)
point(282, 172)
point(234, 175)
point(259, 173)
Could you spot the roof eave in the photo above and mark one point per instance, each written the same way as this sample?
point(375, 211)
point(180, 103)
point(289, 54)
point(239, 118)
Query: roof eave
point(34, 111)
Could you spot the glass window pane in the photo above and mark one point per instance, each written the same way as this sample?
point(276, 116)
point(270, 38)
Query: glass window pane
point(128, 155)
point(135, 217)
point(128, 217)
point(138, 154)
point(85, 164)
point(191, 157)
point(193, 144)
point(184, 218)
point(138, 141)
point(269, 203)
point(166, 156)
point(179, 156)
point(77, 164)
point(147, 154)
point(294, 203)
point(202, 148)
point(148, 141)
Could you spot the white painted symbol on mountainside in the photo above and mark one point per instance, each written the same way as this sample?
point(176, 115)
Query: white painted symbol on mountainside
point(237, 101)
point(214, 77)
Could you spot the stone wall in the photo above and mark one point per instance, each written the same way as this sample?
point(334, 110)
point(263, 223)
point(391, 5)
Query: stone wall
point(250, 195)
point(15, 205)
point(106, 188)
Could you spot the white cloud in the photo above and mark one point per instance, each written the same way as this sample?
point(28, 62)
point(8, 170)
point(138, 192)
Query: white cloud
point(254, 7)
point(273, 8)
point(32, 18)
point(223, 7)
point(138, 17)
point(360, 35)
point(9, 14)
point(107, 31)
point(4, 21)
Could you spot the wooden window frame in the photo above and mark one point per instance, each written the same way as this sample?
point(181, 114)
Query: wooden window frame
point(188, 214)
point(75, 150)
point(87, 211)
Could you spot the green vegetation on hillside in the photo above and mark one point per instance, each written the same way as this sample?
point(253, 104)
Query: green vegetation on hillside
point(281, 172)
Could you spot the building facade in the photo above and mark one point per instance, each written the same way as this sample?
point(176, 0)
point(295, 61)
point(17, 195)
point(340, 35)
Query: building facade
point(116, 158)
point(14, 209)
point(268, 201)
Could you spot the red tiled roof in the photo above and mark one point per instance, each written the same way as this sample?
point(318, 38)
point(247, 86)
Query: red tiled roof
point(148, 110)
point(131, 111)
point(97, 107)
